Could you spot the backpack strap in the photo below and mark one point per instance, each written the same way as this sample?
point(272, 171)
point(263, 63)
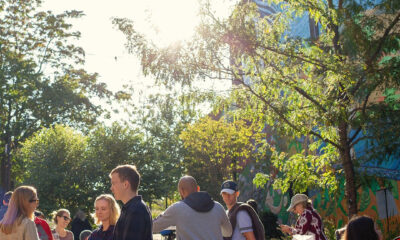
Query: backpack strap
point(258, 227)
point(232, 218)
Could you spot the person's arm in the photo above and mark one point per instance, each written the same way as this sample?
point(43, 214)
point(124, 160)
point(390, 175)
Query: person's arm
point(165, 219)
point(30, 231)
point(249, 235)
point(245, 225)
point(226, 226)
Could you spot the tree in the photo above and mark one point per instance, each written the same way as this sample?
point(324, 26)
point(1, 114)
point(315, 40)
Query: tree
point(116, 145)
point(40, 80)
point(217, 150)
point(70, 169)
point(53, 160)
point(162, 117)
point(318, 88)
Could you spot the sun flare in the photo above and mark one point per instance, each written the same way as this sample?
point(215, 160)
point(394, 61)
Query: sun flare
point(172, 21)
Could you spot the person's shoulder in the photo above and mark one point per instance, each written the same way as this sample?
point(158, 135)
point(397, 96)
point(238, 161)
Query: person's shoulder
point(218, 207)
point(28, 221)
point(242, 213)
point(69, 235)
point(178, 206)
point(96, 231)
point(308, 212)
point(137, 206)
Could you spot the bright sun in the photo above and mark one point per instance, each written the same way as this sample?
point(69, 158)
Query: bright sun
point(172, 20)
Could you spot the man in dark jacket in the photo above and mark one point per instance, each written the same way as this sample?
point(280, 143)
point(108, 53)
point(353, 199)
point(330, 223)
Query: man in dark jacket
point(197, 216)
point(135, 220)
point(6, 200)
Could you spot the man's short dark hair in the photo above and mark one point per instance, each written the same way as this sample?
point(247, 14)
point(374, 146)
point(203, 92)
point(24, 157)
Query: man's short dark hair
point(7, 196)
point(128, 173)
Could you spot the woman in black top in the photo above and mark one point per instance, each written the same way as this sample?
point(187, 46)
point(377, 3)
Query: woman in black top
point(107, 213)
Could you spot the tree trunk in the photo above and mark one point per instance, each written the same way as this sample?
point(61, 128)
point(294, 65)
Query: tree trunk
point(5, 170)
point(2, 171)
point(348, 167)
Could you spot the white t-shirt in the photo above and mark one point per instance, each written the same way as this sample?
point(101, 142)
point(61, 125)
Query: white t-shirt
point(243, 224)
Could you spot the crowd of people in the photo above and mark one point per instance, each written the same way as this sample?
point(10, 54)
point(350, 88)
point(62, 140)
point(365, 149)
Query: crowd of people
point(196, 216)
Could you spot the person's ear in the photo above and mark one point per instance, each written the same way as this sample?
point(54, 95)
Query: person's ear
point(126, 184)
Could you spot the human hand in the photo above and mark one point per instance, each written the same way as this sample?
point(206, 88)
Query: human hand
point(285, 228)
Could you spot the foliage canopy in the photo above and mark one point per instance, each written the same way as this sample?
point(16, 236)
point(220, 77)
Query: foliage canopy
point(323, 87)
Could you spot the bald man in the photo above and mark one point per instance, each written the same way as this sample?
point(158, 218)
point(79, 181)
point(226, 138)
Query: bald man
point(197, 216)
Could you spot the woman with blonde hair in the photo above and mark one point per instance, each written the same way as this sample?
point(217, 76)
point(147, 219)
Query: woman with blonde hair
point(107, 213)
point(62, 219)
point(18, 220)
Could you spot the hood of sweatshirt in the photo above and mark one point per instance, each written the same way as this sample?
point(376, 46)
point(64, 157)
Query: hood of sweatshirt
point(199, 201)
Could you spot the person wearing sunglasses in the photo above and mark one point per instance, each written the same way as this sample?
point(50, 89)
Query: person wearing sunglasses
point(62, 219)
point(18, 220)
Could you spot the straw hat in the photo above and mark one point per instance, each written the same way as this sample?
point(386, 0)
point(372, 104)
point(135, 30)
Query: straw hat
point(296, 199)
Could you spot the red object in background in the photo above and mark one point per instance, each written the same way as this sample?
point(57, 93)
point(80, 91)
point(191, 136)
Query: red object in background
point(45, 226)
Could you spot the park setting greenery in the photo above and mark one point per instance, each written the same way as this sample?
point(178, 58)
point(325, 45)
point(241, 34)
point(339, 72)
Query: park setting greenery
point(320, 88)
point(323, 89)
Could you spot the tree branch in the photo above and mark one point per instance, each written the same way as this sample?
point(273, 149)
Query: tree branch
point(299, 90)
point(360, 139)
point(364, 107)
point(282, 117)
point(383, 39)
point(311, 61)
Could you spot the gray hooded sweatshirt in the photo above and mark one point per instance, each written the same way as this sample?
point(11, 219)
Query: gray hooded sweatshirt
point(197, 217)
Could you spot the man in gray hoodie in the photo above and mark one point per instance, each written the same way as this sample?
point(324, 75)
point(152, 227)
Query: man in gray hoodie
point(196, 217)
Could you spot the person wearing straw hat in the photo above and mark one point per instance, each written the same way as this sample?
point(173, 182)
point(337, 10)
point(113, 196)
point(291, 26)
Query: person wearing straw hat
point(309, 221)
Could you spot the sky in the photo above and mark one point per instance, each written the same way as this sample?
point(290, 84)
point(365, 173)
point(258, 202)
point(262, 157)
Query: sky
point(162, 21)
